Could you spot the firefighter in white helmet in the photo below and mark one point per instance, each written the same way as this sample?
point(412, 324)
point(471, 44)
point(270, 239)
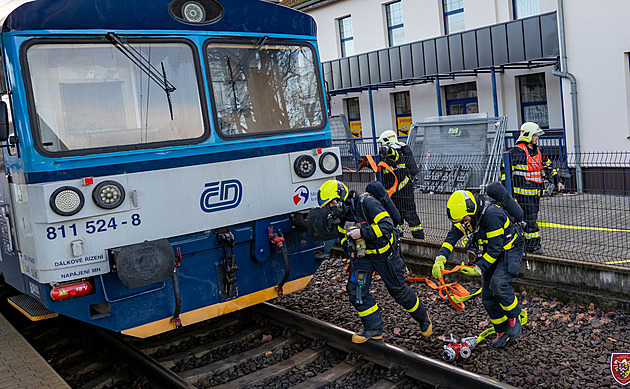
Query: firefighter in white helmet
point(399, 157)
point(529, 170)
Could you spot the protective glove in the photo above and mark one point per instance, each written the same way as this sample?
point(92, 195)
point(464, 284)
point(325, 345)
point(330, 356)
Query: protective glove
point(438, 265)
point(470, 271)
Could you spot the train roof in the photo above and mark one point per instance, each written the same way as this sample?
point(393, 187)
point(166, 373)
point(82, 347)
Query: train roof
point(255, 16)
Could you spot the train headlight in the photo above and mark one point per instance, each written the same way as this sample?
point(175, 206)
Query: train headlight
point(193, 12)
point(328, 162)
point(108, 194)
point(304, 166)
point(66, 201)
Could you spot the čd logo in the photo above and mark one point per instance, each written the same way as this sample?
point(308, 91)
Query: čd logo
point(620, 367)
point(221, 195)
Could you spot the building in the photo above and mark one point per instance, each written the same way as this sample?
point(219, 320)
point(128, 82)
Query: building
point(407, 60)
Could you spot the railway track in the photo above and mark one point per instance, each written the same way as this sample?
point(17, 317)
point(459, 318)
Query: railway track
point(263, 346)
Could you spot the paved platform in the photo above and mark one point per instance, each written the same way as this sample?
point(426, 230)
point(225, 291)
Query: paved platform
point(21, 366)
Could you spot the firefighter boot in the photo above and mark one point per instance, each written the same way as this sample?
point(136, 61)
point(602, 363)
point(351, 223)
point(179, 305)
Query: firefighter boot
point(418, 234)
point(366, 335)
point(515, 328)
point(501, 340)
point(426, 327)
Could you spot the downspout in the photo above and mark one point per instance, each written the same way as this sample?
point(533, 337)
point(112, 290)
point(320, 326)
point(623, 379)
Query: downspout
point(562, 72)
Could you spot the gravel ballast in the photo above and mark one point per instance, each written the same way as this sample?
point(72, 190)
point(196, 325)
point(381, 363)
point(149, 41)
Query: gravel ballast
point(561, 346)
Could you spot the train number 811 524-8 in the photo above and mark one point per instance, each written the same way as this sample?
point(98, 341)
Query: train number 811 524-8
point(90, 227)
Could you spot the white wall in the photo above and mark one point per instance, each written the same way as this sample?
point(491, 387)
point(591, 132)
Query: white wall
point(597, 51)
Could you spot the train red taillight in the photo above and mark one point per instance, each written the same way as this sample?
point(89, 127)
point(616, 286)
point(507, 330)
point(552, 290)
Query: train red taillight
point(70, 291)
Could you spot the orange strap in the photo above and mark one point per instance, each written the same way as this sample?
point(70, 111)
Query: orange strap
point(453, 292)
point(377, 168)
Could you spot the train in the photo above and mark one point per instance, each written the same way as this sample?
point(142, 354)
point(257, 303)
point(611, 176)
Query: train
point(160, 158)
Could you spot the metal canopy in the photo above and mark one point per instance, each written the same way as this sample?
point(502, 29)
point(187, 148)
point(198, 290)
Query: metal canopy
point(525, 43)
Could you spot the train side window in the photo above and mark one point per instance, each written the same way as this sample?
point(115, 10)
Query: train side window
point(89, 97)
point(264, 87)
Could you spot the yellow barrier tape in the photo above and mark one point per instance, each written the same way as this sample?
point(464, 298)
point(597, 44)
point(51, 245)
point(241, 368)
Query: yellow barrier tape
point(616, 262)
point(554, 225)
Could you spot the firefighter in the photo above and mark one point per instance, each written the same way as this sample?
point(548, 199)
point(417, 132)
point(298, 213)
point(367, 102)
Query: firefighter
point(529, 169)
point(486, 224)
point(399, 157)
point(369, 237)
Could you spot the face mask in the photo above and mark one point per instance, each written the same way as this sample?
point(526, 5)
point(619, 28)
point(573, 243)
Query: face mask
point(338, 210)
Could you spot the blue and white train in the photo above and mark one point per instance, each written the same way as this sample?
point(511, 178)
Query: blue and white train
point(160, 157)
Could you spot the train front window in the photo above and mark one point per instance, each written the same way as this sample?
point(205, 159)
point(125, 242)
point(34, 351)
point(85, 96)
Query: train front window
point(264, 87)
point(92, 96)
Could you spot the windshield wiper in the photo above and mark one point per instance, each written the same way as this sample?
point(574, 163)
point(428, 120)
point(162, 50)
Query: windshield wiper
point(145, 65)
point(245, 59)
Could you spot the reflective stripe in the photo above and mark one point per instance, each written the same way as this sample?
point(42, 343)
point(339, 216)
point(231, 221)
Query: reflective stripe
point(369, 311)
point(532, 235)
point(341, 229)
point(415, 306)
point(415, 228)
point(448, 246)
point(459, 227)
point(377, 230)
point(519, 167)
point(526, 192)
point(498, 321)
point(507, 223)
point(489, 258)
point(382, 249)
point(343, 240)
point(494, 233)
point(380, 216)
point(511, 306)
point(402, 184)
point(401, 166)
point(510, 243)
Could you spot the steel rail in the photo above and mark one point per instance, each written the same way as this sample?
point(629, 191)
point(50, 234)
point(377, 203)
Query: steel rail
point(158, 375)
point(419, 367)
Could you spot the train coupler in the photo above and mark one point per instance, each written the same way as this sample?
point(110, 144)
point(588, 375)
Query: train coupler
point(226, 240)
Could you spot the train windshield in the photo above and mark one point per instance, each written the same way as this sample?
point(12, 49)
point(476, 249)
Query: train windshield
point(264, 87)
point(92, 96)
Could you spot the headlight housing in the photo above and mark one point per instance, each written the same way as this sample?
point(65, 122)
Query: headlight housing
point(108, 194)
point(328, 162)
point(304, 166)
point(66, 201)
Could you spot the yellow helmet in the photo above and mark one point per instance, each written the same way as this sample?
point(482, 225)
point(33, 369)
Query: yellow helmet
point(462, 203)
point(528, 130)
point(331, 189)
point(388, 138)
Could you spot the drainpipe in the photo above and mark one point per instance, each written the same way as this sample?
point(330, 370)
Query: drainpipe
point(562, 72)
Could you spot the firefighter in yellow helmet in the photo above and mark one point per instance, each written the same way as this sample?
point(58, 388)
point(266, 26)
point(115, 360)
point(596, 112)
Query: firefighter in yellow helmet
point(366, 233)
point(399, 157)
point(487, 224)
point(529, 169)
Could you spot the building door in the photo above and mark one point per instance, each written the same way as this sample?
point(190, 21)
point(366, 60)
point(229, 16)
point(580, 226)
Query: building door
point(402, 104)
point(354, 116)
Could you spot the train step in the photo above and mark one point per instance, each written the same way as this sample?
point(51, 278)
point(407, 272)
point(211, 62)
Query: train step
point(31, 308)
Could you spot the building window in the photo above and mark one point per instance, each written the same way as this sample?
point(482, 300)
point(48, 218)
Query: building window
point(402, 104)
point(453, 15)
point(534, 99)
point(345, 36)
point(395, 30)
point(461, 99)
point(525, 8)
point(354, 116)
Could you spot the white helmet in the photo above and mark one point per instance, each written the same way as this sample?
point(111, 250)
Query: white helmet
point(388, 138)
point(528, 130)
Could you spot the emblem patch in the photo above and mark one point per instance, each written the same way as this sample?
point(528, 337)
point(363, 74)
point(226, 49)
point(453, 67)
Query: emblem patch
point(620, 367)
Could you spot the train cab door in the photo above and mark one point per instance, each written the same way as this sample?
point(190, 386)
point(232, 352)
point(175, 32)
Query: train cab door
point(9, 263)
